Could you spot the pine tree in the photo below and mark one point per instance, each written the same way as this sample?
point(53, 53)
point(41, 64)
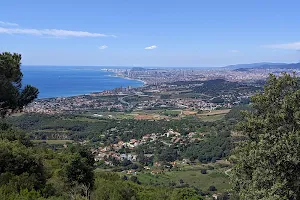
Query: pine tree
point(13, 96)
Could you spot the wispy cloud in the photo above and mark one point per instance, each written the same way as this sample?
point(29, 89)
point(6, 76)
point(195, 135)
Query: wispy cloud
point(103, 47)
point(2, 23)
point(288, 46)
point(51, 32)
point(151, 47)
point(234, 51)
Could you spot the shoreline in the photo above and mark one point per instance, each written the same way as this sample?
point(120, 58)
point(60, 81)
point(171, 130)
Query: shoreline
point(118, 76)
point(91, 93)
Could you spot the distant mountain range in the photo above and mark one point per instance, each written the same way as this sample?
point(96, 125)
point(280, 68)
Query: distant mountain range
point(244, 67)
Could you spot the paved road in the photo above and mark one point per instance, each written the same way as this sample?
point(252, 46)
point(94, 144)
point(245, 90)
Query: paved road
point(227, 171)
point(121, 99)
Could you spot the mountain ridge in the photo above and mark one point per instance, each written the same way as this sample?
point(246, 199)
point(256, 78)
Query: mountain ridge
point(262, 65)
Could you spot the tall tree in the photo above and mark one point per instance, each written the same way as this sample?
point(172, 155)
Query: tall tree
point(13, 96)
point(268, 161)
point(79, 170)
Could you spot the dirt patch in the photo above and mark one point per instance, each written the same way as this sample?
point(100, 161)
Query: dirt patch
point(144, 117)
point(215, 112)
point(188, 112)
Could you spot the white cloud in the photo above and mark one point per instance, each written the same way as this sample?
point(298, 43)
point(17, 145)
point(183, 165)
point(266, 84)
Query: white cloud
point(151, 47)
point(234, 51)
point(288, 46)
point(103, 47)
point(2, 23)
point(51, 32)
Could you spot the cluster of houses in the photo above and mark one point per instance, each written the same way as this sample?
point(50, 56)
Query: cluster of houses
point(187, 103)
point(169, 138)
point(77, 103)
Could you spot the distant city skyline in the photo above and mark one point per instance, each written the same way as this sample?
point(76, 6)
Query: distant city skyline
point(154, 33)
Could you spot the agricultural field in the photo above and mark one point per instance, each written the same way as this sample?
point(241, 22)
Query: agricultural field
point(59, 142)
point(213, 115)
point(159, 114)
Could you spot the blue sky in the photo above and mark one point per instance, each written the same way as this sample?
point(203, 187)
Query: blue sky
point(186, 33)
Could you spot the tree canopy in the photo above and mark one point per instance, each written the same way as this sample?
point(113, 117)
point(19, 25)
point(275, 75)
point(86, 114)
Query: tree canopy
point(12, 95)
point(268, 161)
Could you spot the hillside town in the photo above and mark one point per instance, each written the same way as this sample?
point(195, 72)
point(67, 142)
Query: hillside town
point(121, 150)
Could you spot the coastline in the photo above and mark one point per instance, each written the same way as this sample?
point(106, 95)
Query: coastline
point(119, 76)
point(143, 83)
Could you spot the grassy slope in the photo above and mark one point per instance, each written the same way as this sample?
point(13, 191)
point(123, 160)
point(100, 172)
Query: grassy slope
point(191, 177)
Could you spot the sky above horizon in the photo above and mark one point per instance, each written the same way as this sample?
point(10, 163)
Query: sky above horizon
point(190, 33)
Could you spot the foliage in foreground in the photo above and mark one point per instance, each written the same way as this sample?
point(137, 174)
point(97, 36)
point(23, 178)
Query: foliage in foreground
point(12, 95)
point(268, 162)
point(110, 186)
point(29, 172)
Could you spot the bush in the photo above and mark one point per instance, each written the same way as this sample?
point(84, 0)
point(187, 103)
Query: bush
point(210, 167)
point(212, 188)
point(214, 159)
point(134, 179)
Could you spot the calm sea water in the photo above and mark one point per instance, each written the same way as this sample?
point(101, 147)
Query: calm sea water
point(54, 81)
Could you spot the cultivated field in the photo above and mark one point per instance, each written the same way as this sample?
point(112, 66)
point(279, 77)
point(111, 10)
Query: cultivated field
point(53, 141)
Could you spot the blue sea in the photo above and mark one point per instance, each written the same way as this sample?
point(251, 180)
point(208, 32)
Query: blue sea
point(65, 81)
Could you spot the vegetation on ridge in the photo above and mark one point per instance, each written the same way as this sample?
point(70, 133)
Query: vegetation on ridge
point(268, 161)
